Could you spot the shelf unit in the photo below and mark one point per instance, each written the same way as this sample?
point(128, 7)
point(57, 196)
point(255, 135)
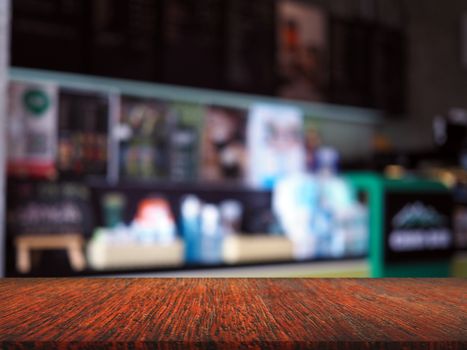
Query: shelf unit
point(344, 127)
point(327, 115)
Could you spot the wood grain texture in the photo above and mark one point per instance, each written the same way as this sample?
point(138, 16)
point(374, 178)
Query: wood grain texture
point(233, 313)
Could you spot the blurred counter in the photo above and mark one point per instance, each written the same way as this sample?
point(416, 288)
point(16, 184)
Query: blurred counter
point(233, 313)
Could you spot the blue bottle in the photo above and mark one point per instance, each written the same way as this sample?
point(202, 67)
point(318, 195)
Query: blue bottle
point(211, 241)
point(191, 228)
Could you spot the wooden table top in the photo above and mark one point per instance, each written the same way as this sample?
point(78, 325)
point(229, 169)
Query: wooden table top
point(233, 313)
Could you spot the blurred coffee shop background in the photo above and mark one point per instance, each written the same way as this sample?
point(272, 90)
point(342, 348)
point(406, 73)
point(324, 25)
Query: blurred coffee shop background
point(233, 137)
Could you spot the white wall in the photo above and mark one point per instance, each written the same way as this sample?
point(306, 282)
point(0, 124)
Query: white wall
point(4, 51)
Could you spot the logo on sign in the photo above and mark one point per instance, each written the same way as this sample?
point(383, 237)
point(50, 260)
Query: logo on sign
point(36, 101)
point(418, 227)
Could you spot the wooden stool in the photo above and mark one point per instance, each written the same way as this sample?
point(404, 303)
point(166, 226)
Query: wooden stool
point(72, 242)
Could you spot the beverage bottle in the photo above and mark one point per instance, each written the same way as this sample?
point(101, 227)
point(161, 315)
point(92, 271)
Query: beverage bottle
point(191, 229)
point(211, 235)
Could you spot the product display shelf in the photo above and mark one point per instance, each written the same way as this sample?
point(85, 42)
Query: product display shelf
point(211, 191)
point(253, 199)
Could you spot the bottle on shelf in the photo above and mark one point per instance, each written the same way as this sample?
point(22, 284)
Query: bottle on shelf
point(191, 228)
point(211, 235)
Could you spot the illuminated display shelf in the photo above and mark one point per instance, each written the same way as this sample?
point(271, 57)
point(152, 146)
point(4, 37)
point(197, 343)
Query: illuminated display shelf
point(116, 87)
point(314, 110)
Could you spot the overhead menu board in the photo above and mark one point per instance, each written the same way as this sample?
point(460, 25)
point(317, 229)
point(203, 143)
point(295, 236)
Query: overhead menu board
point(124, 39)
point(367, 65)
point(287, 48)
point(49, 34)
point(112, 38)
point(192, 42)
point(389, 65)
point(250, 46)
point(350, 61)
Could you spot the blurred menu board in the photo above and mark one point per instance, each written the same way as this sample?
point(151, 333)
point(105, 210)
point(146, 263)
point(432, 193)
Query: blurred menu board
point(250, 46)
point(43, 207)
point(350, 62)
point(105, 37)
point(48, 34)
point(367, 65)
point(124, 38)
point(389, 66)
point(192, 42)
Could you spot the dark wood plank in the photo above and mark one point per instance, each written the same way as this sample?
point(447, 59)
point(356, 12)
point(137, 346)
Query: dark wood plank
point(233, 313)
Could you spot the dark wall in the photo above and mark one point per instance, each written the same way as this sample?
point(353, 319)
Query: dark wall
point(437, 80)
